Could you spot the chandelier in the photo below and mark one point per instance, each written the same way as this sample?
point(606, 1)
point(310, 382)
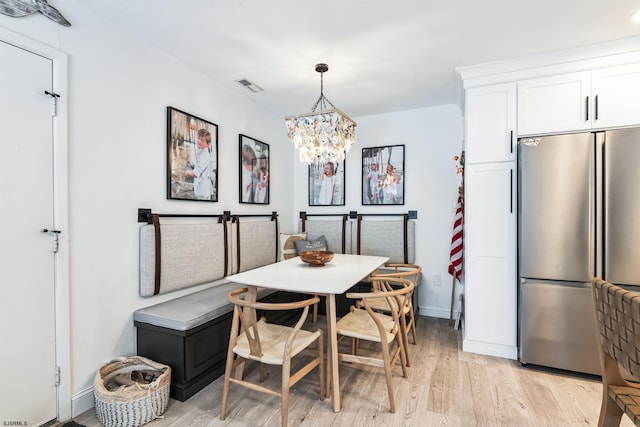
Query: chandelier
point(322, 136)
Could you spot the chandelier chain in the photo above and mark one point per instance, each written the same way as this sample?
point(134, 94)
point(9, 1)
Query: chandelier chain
point(323, 100)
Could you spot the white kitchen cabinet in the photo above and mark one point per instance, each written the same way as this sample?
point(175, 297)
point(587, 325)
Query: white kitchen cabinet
point(602, 98)
point(554, 104)
point(490, 259)
point(490, 121)
point(616, 96)
point(490, 226)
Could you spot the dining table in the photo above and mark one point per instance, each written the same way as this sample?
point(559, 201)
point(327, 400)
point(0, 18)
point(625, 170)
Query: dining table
point(329, 280)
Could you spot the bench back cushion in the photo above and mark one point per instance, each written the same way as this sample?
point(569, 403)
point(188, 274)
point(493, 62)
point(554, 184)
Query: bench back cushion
point(253, 242)
point(377, 236)
point(332, 230)
point(386, 238)
point(191, 253)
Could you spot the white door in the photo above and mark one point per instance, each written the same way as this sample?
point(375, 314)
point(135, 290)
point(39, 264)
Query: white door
point(27, 260)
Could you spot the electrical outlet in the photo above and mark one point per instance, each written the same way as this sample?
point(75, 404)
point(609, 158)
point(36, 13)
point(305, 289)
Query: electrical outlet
point(436, 280)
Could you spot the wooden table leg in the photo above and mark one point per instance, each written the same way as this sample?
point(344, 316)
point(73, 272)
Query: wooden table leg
point(333, 383)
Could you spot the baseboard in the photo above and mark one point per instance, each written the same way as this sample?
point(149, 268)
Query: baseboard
point(435, 312)
point(82, 402)
point(504, 351)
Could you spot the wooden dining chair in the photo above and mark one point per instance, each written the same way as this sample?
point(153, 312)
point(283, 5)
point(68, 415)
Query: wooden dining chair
point(363, 323)
point(410, 272)
point(271, 344)
point(618, 325)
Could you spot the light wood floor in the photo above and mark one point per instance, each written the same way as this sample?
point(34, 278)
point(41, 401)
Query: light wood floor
point(446, 387)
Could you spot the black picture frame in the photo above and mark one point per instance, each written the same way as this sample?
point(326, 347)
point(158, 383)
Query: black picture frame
point(192, 172)
point(383, 184)
point(255, 173)
point(319, 190)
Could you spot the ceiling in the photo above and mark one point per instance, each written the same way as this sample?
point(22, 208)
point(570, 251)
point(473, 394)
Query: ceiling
point(383, 55)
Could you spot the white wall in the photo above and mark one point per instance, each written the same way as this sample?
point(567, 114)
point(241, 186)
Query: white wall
point(432, 137)
point(119, 88)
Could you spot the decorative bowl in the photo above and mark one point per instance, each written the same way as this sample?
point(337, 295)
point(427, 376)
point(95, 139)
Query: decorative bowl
point(316, 258)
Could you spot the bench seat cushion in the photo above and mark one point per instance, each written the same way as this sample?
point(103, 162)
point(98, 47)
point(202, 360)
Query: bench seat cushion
point(192, 310)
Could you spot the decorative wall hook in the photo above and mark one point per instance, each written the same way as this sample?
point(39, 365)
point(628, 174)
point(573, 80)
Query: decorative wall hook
point(20, 8)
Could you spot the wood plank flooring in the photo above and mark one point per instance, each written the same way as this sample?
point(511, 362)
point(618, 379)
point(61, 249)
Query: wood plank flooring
point(446, 387)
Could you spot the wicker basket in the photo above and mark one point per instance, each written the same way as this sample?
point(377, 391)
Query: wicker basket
point(133, 405)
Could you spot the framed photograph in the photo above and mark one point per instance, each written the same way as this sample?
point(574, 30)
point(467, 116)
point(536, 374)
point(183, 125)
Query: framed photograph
point(254, 171)
point(383, 175)
point(192, 157)
point(326, 184)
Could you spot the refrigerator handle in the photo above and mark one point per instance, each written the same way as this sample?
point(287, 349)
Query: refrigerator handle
point(586, 108)
point(596, 108)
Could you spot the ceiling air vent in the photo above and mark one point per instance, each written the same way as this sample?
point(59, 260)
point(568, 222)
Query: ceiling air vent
point(251, 86)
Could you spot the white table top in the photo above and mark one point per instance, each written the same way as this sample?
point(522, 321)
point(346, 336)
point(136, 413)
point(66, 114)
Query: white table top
point(295, 275)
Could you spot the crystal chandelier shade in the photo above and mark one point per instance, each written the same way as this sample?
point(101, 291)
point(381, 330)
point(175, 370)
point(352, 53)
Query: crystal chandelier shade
point(323, 136)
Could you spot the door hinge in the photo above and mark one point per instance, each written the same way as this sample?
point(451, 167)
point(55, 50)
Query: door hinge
point(57, 376)
point(54, 102)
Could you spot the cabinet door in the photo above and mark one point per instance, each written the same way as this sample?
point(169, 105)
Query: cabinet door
point(490, 123)
point(554, 104)
point(490, 259)
point(616, 92)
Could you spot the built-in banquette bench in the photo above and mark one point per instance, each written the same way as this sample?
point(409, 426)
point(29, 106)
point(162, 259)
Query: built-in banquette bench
point(190, 333)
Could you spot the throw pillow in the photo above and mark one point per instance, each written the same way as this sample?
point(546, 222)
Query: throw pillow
point(287, 247)
point(319, 244)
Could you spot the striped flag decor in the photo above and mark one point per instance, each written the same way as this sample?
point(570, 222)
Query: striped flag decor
point(456, 242)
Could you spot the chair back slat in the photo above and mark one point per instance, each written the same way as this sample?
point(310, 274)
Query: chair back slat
point(249, 325)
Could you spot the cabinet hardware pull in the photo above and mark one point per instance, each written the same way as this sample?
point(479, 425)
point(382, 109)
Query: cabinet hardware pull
point(596, 108)
point(511, 142)
point(510, 190)
point(586, 105)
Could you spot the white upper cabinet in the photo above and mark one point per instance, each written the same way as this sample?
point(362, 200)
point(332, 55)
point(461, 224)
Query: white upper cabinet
point(602, 98)
point(616, 96)
point(490, 123)
point(554, 104)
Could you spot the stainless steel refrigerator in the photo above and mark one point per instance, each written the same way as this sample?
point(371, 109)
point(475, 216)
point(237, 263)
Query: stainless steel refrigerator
point(579, 217)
